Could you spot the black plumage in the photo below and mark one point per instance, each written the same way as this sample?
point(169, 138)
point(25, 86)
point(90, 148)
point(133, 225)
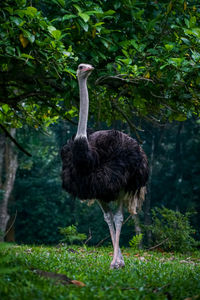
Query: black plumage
point(102, 165)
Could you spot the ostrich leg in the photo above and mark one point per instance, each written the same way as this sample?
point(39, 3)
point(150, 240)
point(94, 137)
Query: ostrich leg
point(118, 261)
point(108, 217)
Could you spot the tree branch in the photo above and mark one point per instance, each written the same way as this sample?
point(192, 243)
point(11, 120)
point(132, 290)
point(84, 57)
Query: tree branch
point(89, 238)
point(21, 97)
point(131, 125)
point(151, 248)
point(59, 112)
point(13, 140)
point(119, 80)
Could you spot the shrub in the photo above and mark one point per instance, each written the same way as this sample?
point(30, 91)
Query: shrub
point(173, 228)
point(5, 260)
point(71, 234)
point(135, 241)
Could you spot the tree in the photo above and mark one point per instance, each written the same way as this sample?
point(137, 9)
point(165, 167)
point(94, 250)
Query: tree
point(8, 168)
point(147, 53)
point(32, 59)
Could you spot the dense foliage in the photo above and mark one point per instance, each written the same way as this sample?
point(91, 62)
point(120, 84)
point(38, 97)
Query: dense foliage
point(42, 207)
point(71, 235)
point(33, 59)
point(176, 169)
point(148, 52)
point(172, 229)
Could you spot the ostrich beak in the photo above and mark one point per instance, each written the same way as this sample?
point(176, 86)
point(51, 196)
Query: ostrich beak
point(90, 68)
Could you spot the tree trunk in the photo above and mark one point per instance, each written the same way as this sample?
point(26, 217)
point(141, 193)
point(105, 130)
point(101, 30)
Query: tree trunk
point(136, 220)
point(8, 168)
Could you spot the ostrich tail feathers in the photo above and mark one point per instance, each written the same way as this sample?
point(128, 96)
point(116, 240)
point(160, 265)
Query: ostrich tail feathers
point(91, 202)
point(135, 201)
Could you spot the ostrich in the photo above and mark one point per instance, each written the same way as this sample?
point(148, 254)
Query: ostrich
point(105, 165)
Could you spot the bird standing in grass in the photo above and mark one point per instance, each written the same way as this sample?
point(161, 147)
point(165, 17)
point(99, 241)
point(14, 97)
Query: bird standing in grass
point(105, 165)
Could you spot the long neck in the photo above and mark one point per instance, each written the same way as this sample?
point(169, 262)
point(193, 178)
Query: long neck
point(84, 105)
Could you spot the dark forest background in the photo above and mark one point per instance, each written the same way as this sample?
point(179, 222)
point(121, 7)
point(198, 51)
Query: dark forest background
point(42, 206)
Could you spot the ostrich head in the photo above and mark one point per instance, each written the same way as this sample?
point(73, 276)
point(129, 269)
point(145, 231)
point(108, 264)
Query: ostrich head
point(84, 70)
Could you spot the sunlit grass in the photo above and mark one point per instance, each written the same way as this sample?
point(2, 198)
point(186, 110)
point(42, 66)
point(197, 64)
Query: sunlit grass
point(147, 275)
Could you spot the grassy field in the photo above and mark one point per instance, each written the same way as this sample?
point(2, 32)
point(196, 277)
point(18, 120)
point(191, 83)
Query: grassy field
point(147, 275)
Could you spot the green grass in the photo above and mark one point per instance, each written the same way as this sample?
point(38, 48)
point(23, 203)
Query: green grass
point(147, 275)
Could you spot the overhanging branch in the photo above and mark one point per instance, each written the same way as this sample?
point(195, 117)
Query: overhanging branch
point(14, 100)
point(13, 140)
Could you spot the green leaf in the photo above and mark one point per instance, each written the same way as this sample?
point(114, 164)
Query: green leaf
point(177, 61)
point(73, 112)
point(195, 56)
point(51, 29)
point(16, 20)
point(19, 12)
point(126, 61)
point(27, 56)
point(29, 35)
point(186, 41)
point(134, 44)
point(105, 43)
point(21, 2)
point(31, 11)
point(198, 80)
point(78, 8)
point(83, 25)
point(196, 32)
point(109, 12)
point(66, 53)
point(5, 107)
point(9, 9)
point(68, 17)
point(98, 24)
point(56, 34)
point(84, 16)
point(192, 21)
point(93, 12)
point(169, 47)
point(193, 31)
point(61, 2)
point(187, 23)
point(10, 50)
point(180, 118)
point(117, 4)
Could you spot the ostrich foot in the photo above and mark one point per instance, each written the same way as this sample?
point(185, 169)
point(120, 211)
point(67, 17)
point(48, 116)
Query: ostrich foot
point(118, 262)
point(117, 265)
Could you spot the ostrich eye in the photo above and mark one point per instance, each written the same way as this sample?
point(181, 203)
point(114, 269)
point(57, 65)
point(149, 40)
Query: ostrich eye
point(80, 67)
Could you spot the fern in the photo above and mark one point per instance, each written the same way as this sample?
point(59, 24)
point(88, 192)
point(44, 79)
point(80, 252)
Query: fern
point(71, 234)
point(135, 241)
